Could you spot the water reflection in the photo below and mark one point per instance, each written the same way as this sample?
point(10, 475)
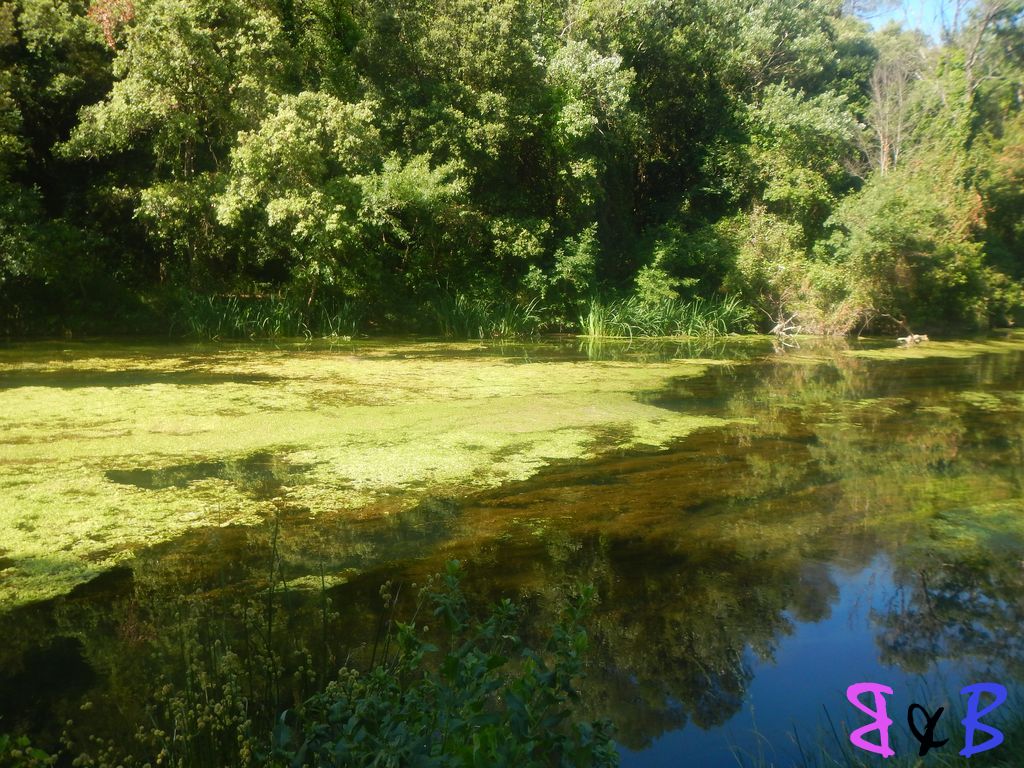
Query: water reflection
point(260, 474)
point(861, 517)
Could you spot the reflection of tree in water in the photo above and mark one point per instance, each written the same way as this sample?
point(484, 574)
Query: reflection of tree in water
point(936, 472)
point(699, 555)
point(678, 616)
point(678, 633)
point(670, 634)
point(815, 594)
point(260, 474)
point(672, 629)
point(966, 605)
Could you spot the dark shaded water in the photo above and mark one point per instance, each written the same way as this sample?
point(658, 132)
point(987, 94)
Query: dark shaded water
point(863, 520)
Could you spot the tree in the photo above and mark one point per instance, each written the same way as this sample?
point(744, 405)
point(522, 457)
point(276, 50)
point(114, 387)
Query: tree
point(893, 115)
point(19, 206)
point(798, 146)
point(908, 239)
point(986, 18)
point(297, 176)
point(191, 75)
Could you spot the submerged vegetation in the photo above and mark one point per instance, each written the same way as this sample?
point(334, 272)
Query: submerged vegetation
point(261, 168)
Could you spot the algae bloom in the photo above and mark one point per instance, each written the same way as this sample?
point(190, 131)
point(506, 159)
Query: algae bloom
point(103, 452)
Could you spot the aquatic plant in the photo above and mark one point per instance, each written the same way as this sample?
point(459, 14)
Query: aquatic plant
point(460, 316)
point(263, 316)
point(670, 317)
point(160, 443)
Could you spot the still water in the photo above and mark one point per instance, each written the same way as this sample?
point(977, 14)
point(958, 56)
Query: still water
point(762, 530)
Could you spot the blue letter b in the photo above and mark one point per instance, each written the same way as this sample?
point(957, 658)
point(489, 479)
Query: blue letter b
point(971, 722)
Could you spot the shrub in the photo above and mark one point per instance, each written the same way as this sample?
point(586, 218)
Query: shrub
point(488, 701)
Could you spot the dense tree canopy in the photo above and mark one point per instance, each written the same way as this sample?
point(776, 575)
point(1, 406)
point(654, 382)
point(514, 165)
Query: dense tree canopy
point(402, 156)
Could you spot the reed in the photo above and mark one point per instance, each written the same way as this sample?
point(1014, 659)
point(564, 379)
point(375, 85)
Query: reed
point(263, 316)
point(459, 316)
point(698, 317)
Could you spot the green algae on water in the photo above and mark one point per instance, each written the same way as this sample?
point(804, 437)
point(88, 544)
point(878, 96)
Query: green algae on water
point(946, 349)
point(92, 470)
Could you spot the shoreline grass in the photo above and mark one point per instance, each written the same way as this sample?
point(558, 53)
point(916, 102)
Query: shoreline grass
point(672, 318)
point(452, 316)
point(263, 316)
point(460, 316)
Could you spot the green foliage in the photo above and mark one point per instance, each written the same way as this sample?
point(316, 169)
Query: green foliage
point(298, 175)
point(463, 317)
point(797, 149)
point(685, 256)
point(19, 753)
point(636, 316)
point(506, 149)
point(19, 207)
point(412, 213)
point(654, 285)
point(190, 75)
point(908, 239)
point(795, 290)
point(783, 42)
point(573, 273)
point(486, 698)
point(323, 35)
point(1001, 185)
point(593, 90)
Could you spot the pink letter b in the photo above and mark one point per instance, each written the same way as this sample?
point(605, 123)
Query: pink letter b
point(881, 722)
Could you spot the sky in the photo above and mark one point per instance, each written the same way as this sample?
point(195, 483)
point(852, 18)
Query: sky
point(925, 15)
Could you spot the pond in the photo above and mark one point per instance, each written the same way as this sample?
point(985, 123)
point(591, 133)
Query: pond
point(764, 525)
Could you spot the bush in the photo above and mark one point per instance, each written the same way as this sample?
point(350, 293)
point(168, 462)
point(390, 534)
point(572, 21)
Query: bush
point(488, 701)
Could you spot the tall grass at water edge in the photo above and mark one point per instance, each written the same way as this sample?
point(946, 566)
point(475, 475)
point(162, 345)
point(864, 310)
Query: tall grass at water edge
point(455, 316)
point(631, 317)
point(458, 316)
point(263, 316)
